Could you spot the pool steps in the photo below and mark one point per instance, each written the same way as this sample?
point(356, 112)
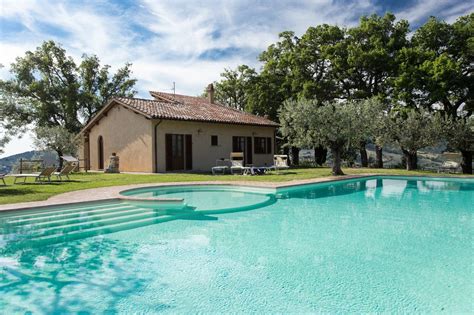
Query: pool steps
point(54, 226)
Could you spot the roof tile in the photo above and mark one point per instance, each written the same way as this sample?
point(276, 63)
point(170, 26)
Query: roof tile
point(182, 107)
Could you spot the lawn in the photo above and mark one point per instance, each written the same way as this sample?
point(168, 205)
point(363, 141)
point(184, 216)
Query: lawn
point(35, 192)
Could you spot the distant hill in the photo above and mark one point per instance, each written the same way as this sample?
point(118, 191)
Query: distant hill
point(7, 163)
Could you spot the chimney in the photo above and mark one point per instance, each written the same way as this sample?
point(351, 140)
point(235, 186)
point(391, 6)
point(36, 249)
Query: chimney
point(210, 93)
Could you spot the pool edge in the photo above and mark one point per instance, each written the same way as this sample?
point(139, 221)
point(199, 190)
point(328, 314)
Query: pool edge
point(113, 193)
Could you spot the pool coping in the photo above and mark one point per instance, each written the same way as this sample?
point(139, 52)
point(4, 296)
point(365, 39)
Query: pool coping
point(112, 193)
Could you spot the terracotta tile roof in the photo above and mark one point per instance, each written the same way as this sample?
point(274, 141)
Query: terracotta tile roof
point(182, 107)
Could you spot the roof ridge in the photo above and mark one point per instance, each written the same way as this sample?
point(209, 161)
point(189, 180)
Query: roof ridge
point(205, 99)
point(177, 94)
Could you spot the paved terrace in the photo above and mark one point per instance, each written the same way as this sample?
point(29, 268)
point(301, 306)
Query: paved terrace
point(111, 193)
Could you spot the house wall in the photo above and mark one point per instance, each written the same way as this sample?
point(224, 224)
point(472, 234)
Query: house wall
point(205, 155)
point(126, 133)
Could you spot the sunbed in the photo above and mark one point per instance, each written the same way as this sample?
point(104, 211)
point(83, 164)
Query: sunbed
point(65, 171)
point(280, 162)
point(220, 167)
point(2, 178)
point(39, 177)
point(237, 164)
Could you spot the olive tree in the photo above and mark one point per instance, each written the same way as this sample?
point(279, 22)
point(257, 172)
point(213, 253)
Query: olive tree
point(57, 139)
point(460, 135)
point(413, 130)
point(334, 125)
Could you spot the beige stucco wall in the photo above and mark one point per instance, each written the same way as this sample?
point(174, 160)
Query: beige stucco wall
point(127, 134)
point(205, 155)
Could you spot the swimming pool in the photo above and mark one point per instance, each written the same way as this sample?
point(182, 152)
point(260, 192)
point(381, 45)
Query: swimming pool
point(363, 245)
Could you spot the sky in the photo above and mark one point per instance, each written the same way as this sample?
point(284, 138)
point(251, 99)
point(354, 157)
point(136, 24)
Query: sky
point(187, 42)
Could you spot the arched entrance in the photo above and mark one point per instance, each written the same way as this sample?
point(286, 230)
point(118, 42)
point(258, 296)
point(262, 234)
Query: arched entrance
point(100, 150)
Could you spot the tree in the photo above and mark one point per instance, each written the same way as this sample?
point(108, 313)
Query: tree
point(11, 125)
point(436, 71)
point(413, 130)
point(233, 89)
point(335, 125)
point(48, 88)
point(57, 139)
point(275, 82)
point(460, 136)
point(366, 61)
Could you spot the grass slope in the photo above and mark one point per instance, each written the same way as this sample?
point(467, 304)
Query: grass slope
point(35, 192)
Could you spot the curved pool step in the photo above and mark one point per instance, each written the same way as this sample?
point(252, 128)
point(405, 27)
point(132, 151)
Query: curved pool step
point(67, 216)
point(63, 227)
point(50, 232)
point(93, 231)
point(38, 213)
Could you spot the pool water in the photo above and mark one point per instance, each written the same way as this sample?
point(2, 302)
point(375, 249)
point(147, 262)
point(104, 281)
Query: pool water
point(209, 197)
point(374, 245)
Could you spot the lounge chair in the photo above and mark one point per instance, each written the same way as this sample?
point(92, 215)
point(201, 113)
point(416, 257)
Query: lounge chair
point(40, 177)
point(220, 167)
point(237, 164)
point(280, 162)
point(2, 178)
point(65, 171)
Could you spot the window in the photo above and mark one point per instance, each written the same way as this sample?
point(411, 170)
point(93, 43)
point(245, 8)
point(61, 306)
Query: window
point(238, 144)
point(263, 145)
point(269, 145)
point(214, 141)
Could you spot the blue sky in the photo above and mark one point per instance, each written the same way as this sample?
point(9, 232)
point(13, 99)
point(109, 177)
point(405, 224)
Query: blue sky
point(189, 42)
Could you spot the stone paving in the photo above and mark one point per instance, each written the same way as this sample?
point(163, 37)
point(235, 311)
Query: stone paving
point(110, 193)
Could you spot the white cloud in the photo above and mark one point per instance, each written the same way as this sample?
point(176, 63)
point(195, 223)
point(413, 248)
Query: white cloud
point(446, 9)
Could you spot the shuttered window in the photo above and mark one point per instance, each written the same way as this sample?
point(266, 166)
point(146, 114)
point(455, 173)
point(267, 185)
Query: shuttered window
point(263, 145)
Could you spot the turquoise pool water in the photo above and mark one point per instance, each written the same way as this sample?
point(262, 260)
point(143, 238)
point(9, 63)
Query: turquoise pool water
point(380, 244)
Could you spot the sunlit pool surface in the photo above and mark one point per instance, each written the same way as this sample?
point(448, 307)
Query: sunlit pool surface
point(374, 245)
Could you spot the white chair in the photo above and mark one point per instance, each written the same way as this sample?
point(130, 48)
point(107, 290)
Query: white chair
point(220, 167)
point(280, 162)
point(237, 164)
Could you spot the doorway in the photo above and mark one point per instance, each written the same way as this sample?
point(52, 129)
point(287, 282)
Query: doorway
point(100, 150)
point(179, 152)
point(243, 144)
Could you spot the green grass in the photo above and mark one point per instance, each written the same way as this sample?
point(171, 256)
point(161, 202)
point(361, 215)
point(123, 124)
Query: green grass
point(35, 192)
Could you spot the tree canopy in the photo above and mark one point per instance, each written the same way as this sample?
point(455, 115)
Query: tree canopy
point(335, 125)
point(428, 72)
point(48, 89)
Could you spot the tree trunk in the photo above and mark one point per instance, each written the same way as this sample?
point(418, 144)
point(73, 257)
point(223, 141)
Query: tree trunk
point(295, 156)
point(320, 154)
point(60, 160)
point(466, 163)
point(378, 157)
point(379, 183)
point(363, 155)
point(336, 165)
point(411, 159)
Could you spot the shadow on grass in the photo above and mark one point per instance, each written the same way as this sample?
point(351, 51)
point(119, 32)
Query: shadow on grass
point(15, 192)
point(38, 184)
point(283, 173)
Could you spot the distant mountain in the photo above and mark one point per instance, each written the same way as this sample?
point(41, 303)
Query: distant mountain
point(7, 163)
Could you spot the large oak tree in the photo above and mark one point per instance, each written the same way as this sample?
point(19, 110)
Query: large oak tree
point(48, 89)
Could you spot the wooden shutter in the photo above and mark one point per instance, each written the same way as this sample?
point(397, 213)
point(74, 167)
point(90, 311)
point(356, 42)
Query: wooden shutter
point(189, 152)
point(168, 153)
point(248, 151)
point(269, 146)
